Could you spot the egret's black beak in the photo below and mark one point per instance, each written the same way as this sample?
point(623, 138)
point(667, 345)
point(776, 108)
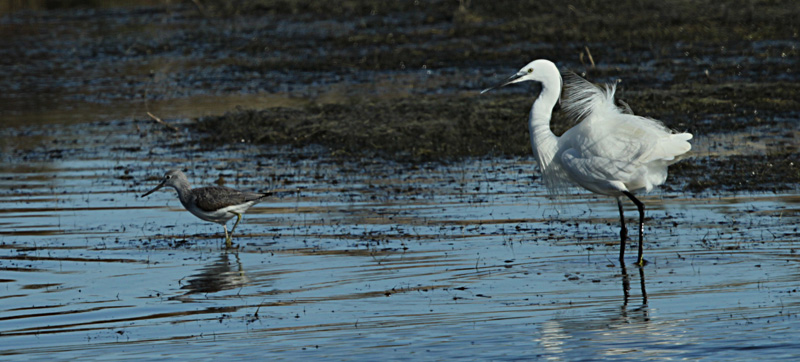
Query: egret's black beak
point(506, 82)
point(156, 188)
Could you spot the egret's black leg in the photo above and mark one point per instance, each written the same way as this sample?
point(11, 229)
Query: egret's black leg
point(640, 206)
point(623, 233)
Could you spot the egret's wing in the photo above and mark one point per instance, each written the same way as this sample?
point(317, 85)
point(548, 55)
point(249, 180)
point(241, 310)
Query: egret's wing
point(606, 130)
point(623, 137)
point(638, 139)
point(596, 171)
point(610, 148)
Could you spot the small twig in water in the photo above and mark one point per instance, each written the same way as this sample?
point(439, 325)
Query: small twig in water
point(200, 8)
point(163, 123)
point(589, 54)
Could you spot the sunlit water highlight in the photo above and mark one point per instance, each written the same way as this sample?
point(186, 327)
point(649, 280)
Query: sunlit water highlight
point(362, 259)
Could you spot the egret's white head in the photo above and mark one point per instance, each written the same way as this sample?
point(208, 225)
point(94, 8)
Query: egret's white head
point(540, 70)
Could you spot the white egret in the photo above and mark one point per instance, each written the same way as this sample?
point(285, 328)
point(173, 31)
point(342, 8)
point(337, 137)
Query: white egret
point(609, 151)
point(216, 204)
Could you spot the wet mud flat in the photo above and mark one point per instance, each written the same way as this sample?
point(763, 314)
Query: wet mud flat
point(301, 73)
point(410, 221)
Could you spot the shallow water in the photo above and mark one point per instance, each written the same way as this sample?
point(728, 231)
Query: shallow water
point(363, 259)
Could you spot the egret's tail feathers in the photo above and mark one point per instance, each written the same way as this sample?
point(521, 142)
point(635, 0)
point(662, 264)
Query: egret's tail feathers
point(673, 146)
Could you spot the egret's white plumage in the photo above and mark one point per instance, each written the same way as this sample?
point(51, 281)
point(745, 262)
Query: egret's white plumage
point(609, 151)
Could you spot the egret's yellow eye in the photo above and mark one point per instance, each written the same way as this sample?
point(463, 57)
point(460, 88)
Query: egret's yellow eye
point(530, 70)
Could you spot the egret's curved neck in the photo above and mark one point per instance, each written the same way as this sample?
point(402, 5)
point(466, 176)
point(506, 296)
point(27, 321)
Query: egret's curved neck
point(543, 141)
